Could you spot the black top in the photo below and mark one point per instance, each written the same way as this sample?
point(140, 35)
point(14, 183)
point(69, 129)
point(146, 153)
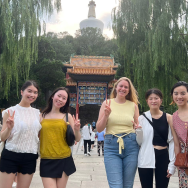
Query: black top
point(160, 131)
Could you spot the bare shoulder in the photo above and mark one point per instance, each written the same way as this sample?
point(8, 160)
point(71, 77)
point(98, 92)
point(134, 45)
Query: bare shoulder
point(169, 120)
point(41, 118)
point(168, 116)
point(69, 115)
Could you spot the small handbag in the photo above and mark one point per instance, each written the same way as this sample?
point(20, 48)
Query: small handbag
point(182, 158)
point(70, 137)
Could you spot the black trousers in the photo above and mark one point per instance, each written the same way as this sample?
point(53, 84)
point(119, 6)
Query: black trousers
point(161, 167)
point(85, 146)
point(100, 144)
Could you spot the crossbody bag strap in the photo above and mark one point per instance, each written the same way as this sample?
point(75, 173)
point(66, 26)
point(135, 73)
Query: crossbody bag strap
point(67, 119)
point(152, 125)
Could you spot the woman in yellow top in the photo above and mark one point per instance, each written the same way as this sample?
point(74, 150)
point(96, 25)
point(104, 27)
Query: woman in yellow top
point(120, 146)
point(56, 161)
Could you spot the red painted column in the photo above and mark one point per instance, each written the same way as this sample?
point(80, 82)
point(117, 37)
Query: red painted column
point(77, 105)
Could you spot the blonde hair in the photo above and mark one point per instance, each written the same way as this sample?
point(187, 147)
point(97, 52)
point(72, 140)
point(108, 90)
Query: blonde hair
point(132, 95)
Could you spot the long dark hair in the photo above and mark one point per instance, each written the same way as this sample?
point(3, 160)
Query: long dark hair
point(64, 109)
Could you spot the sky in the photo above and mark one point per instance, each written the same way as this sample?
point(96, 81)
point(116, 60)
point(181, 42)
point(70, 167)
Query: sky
point(74, 11)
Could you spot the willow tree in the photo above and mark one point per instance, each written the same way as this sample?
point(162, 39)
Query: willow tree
point(152, 40)
point(20, 26)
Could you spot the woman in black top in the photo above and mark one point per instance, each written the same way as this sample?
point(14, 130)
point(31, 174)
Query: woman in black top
point(154, 153)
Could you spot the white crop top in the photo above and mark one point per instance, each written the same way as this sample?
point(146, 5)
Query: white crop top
point(24, 135)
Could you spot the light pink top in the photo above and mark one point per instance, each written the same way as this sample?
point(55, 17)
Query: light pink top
point(180, 127)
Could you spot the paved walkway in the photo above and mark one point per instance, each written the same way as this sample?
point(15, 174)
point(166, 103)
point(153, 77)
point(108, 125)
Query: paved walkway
point(90, 172)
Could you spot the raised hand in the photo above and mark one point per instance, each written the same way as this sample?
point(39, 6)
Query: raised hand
point(76, 123)
point(136, 125)
point(107, 109)
point(10, 120)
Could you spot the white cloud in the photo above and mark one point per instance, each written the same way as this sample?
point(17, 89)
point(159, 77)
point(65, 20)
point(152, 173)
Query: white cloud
point(74, 11)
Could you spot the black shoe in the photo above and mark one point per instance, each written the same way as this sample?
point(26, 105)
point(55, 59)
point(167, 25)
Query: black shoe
point(98, 154)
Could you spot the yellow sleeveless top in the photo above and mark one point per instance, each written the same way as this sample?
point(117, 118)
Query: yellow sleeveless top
point(121, 117)
point(53, 144)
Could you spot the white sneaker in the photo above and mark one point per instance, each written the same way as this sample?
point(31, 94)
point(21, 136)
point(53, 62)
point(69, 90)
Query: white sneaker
point(88, 153)
point(14, 184)
point(85, 154)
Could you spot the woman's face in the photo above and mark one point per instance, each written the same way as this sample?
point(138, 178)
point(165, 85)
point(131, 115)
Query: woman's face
point(180, 95)
point(154, 101)
point(30, 94)
point(60, 98)
point(122, 88)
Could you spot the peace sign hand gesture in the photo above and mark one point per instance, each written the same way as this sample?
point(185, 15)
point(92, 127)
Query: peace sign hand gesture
point(107, 109)
point(76, 123)
point(136, 125)
point(10, 120)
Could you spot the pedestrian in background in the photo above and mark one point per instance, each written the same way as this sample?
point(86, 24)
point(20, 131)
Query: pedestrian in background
point(120, 147)
point(100, 142)
point(86, 133)
point(92, 138)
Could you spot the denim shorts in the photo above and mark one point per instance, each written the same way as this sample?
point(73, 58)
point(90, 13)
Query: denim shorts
point(121, 168)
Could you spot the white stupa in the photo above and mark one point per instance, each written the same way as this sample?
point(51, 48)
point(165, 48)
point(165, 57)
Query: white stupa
point(92, 21)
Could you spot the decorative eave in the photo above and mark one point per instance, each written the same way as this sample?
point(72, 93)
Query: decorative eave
point(70, 82)
point(111, 84)
point(92, 71)
point(67, 65)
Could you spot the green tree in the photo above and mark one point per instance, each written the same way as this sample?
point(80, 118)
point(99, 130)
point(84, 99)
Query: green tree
point(63, 44)
point(20, 25)
point(47, 71)
point(150, 41)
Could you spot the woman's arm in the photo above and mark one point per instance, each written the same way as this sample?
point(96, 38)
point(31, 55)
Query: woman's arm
point(75, 124)
point(104, 113)
point(136, 115)
point(8, 124)
point(175, 138)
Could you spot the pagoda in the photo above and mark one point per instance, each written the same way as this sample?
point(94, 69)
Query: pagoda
point(89, 79)
point(92, 21)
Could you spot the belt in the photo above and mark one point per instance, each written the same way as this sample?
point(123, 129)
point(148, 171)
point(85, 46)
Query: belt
point(120, 141)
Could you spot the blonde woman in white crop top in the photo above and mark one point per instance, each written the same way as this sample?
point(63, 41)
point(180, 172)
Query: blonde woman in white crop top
point(120, 147)
point(21, 126)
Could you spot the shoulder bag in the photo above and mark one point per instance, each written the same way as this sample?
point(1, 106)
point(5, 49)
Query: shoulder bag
point(182, 158)
point(151, 123)
point(70, 137)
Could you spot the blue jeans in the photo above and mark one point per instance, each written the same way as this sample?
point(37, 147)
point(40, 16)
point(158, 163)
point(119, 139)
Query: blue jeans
point(121, 168)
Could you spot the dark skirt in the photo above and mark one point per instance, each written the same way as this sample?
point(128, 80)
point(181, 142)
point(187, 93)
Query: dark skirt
point(12, 162)
point(54, 168)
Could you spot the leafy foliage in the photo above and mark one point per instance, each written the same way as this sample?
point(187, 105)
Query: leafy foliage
point(149, 35)
point(20, 25)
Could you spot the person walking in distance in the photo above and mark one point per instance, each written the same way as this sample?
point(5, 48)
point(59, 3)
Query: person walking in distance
point(100, 142)
point(21, 126)
point(92, 138)
point(120, 146)
point(86, 133)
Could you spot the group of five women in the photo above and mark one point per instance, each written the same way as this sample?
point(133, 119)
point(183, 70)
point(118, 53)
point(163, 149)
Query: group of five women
point(149, 141)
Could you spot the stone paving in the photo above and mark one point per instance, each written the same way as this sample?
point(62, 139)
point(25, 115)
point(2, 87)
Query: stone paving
point(91, 172)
